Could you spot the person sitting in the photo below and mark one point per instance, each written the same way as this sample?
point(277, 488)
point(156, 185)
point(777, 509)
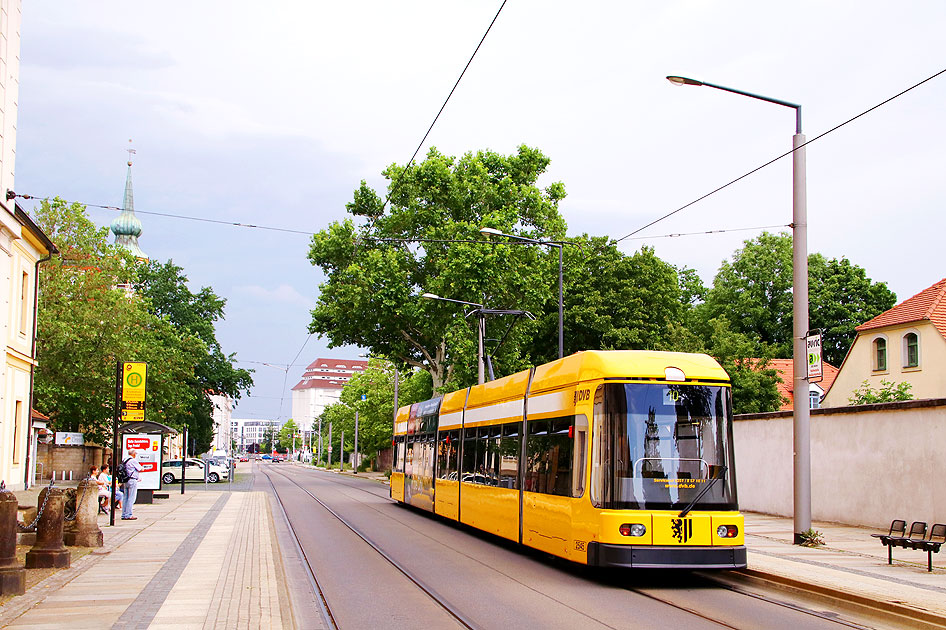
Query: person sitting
point(105, 488)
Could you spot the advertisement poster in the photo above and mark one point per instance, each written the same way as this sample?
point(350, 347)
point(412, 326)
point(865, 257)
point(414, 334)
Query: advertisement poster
point(149, 456)
point(64, 438)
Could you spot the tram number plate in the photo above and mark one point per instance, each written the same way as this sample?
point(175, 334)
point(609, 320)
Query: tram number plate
point(580, 545)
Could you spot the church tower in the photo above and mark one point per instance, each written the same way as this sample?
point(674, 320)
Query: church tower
point(126, 226)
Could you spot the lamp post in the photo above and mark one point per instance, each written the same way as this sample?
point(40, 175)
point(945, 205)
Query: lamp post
point(561, 308)
point(801, 413)
point(481, 325)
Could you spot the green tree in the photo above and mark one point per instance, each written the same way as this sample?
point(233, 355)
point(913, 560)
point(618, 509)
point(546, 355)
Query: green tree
point(887, 392)
point(745, 359)
point(286, 434)
point(370, 297)
point(613, 301)
point(754, 292)
point(87, 322)
point(842, 297)
point(376, 411)
point(193, 317)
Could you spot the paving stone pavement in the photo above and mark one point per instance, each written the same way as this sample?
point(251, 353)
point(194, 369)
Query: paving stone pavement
point(201, 560)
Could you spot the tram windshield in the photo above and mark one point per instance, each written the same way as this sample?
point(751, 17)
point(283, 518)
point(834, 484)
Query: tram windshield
point(657, 446)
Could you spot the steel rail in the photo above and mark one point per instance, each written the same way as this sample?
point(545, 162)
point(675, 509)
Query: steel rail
point(428, 590)
point(637, 590)
point(763, 598)
point(324, 608)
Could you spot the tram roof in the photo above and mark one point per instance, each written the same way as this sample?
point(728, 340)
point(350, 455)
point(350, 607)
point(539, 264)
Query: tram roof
point(506, 388)
point(596, 364)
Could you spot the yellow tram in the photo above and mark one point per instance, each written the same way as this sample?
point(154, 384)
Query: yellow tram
point(608, 458)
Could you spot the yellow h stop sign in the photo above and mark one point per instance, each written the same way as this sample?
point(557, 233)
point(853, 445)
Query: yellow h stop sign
point(134, 384)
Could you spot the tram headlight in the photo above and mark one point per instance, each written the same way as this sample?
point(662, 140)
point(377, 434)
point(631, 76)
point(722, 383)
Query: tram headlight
point(635, 529)
point(727, 531)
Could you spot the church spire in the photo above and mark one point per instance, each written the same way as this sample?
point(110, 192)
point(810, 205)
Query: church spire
point(126, 226)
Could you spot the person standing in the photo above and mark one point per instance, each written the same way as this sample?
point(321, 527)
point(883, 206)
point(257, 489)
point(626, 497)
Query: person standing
point(132, 467)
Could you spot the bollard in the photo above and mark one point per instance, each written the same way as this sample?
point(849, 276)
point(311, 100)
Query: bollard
point(85, 530)
point(12, 574)
point(49, 552)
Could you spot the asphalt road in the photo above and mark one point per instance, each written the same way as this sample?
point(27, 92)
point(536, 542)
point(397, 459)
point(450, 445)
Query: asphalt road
point(492, 583)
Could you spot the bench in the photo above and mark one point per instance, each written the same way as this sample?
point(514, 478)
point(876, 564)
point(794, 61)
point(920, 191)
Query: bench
point(918, 539)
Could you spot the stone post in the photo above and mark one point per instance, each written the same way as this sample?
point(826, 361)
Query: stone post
point(86, 532)
point(12, 574)
point(49, 552)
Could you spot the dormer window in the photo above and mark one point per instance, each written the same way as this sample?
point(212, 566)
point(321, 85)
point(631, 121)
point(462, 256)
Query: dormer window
point(880, 354)
point(911, 350)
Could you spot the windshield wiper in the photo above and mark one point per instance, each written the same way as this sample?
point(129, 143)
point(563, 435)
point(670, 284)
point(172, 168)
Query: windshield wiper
point(696, 499)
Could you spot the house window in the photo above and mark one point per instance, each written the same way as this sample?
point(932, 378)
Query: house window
point(880, 354)
point(16, 431)
point(911, 350)
point(814, 398)
point(24, 296)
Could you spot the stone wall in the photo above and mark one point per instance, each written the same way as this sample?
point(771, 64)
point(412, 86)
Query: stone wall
point(75, 459)
point(869, 464)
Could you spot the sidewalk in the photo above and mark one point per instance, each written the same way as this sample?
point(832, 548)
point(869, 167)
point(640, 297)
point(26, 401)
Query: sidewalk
point(850, 563)
point(210, 559)
point(206, 559)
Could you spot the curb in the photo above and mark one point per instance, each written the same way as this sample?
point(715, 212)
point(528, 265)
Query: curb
point(902, 615)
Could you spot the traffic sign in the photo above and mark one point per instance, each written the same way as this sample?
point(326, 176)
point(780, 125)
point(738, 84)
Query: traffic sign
point(133, 385)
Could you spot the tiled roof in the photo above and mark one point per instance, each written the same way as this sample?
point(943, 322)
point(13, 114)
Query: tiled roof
point(928, 304)
point(329, 373)
point(786, 371)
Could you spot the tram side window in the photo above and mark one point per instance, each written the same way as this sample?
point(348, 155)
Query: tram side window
point(398, 464)
point(550, 450)
point(509, 456)
point(448, 449)
point(469, 454)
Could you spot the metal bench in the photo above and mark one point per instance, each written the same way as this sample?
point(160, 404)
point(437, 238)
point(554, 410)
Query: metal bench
point(917, 539)
point(931, 544)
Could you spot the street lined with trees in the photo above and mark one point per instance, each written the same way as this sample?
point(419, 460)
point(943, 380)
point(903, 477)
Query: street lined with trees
point(99, 305)
point(424, 236)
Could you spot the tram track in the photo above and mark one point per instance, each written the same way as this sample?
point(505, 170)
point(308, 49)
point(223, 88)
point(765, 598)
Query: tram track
point(644, 592)
point(432, 593)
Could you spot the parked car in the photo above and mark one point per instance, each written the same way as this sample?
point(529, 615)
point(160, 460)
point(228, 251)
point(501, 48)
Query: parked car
point(223, 460)
point(244, 458)
point(193, 471)
point(266, 457)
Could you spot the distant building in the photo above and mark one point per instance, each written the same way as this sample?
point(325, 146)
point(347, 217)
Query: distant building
point(786, 371)
point(18, 314)
point(249, 431)
point(904, 344)
point(22, 244)
point(321, 386)
point(126, 226)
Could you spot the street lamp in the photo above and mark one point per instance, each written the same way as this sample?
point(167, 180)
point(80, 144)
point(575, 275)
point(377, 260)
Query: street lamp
point(481, 326)
point(801, 414)
point(481, 314)
point(561, 308)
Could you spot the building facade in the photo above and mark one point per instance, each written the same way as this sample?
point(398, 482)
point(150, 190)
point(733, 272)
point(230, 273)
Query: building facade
point(249, 431)
point(17, 447)
point(321, 385)
point(904, 344)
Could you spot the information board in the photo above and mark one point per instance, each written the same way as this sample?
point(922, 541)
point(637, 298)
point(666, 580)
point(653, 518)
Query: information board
point(813, 350)
point(148, 446)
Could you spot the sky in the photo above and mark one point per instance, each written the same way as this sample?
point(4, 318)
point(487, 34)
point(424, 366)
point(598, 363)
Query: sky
point(272, 113)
